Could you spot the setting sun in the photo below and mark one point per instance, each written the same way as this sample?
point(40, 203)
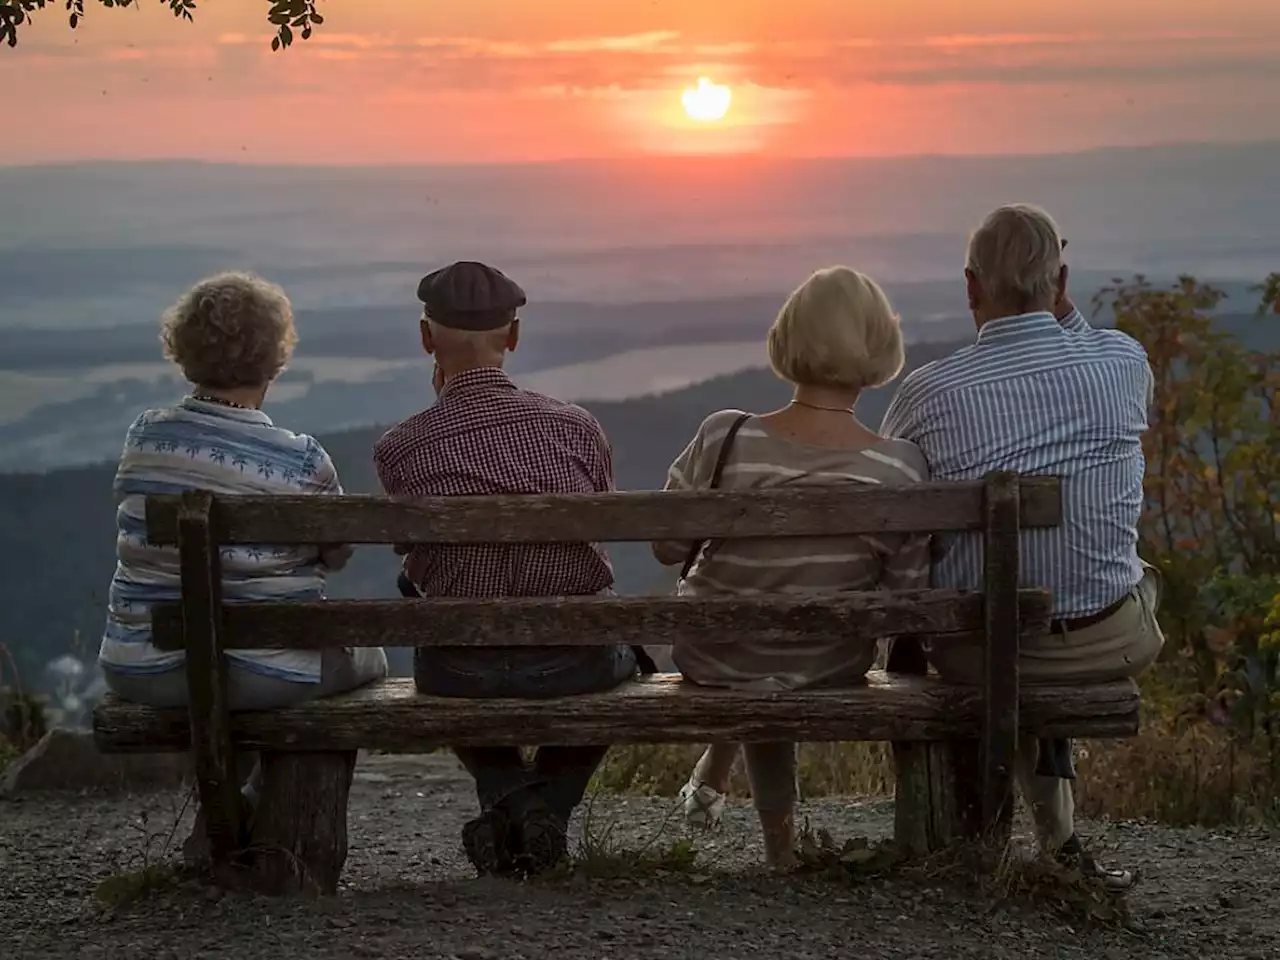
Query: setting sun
point(707, 101)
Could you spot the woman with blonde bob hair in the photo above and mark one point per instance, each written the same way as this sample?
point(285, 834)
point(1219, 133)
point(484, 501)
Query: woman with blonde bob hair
point(836, 336)
point(231, 336)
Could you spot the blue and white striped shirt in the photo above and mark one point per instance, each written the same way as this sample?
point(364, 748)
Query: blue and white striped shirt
point(1041, 397)
point(207, 446)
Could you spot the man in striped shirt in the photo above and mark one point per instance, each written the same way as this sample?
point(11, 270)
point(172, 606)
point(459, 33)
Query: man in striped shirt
point(1041, 391)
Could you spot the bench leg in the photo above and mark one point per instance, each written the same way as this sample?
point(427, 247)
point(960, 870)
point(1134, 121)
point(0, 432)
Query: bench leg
point(299, 837)
point(938, 799)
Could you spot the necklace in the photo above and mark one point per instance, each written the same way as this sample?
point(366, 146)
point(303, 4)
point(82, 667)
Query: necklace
point(205, 398)
point(817, 406)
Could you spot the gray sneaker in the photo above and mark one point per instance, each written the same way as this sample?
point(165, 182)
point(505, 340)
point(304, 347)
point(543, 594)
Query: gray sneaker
point(1073, 854)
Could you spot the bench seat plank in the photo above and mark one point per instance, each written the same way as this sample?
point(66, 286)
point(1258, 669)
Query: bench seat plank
point(661, 709)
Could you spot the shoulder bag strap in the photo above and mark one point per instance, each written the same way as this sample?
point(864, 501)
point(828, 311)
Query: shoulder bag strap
point(721, 458)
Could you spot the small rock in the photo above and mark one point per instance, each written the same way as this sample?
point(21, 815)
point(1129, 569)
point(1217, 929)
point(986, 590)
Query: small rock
point(1231, 901)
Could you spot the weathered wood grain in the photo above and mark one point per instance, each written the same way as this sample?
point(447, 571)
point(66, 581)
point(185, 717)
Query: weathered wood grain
point(206, 669)
point(936, 796)
point(637, 515)
point(1000, 661)
point(661, 709)
point(593, 621)
point(299, 841)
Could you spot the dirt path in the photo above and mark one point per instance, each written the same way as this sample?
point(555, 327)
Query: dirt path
point(408, 891)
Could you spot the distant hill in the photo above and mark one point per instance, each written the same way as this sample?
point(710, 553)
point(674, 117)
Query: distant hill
point(57, 531)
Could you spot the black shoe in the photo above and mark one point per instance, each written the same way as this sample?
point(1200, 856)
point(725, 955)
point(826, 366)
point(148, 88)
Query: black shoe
point(1073, 854)
point(538, 834)
point(487, 841)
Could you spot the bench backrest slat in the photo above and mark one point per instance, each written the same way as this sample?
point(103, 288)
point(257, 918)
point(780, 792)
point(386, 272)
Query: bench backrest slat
point(593, 621)
point(630, 516)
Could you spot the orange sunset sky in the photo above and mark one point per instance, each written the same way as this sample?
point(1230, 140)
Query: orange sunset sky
point(510, 80)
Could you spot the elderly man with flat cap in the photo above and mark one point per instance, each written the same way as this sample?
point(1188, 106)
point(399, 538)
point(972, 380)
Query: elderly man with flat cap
point(484, 435)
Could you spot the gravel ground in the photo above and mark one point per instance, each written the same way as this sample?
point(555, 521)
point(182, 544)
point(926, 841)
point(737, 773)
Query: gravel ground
point(408, 891)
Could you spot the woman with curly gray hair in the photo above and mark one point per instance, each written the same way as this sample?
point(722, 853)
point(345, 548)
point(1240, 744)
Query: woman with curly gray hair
point(231, 336)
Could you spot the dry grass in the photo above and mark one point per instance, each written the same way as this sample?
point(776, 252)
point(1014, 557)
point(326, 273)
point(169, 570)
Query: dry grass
point(1198, 775)
point(8, 752)
point(826, 769)
point(1179, 775)
point(999, 874)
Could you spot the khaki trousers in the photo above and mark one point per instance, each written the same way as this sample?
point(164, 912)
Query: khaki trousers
point(1122, 645)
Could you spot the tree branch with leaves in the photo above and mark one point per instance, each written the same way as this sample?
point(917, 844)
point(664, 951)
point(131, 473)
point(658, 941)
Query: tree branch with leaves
point(290, 18)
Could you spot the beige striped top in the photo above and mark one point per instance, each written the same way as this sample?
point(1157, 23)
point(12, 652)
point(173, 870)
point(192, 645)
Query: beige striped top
point(793, 565)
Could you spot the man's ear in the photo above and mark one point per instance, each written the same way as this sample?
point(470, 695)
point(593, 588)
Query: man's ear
point(973, 288)
point(428, 342)
point(513, 335)
point(1061, 291)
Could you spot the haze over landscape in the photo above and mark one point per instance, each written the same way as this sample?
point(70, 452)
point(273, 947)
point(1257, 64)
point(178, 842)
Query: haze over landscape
point(655, 248)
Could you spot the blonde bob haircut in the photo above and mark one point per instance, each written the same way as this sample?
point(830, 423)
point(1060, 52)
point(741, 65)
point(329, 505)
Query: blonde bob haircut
point(232, 330)
point(837, 330)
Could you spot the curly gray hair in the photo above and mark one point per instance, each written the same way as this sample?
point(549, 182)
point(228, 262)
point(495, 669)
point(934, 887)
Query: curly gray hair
point(232, 330)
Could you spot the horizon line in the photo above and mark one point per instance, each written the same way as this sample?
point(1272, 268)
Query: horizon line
point(1170, 145)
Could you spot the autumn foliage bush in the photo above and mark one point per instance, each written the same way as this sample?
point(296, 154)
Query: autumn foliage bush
point(1209, 751)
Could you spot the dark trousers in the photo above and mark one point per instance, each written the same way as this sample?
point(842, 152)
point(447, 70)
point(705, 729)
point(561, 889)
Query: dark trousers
point(560, 774)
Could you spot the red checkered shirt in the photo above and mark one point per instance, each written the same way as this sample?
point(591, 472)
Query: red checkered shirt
point(484, 435)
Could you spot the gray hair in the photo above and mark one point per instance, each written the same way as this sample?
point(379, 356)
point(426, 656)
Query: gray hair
point(232, 330)
point(1016, 256)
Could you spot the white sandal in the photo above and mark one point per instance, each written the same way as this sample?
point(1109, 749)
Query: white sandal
point(703, 804)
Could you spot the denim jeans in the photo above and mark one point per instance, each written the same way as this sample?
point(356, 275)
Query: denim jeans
point(560, 774)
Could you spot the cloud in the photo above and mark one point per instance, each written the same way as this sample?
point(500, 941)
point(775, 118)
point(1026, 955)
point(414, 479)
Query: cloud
point(375, 67)
point(653, 41)
point(651, 58)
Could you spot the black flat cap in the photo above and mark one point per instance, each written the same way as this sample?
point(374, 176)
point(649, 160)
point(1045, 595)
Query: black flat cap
point(470, 296)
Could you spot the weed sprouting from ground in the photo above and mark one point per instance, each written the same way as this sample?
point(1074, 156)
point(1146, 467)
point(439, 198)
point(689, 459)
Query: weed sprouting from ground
point(150, 867)
point(601, 855)
point(123, 889)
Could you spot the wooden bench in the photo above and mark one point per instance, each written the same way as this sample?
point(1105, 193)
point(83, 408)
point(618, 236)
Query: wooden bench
point(954, 745)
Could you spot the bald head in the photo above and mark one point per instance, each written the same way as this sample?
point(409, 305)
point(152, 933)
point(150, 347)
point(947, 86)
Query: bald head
point(457, 350)
point(1014, 265)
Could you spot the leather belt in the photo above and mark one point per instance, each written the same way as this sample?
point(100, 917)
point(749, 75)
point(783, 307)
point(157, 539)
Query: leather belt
point(1079, 623)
